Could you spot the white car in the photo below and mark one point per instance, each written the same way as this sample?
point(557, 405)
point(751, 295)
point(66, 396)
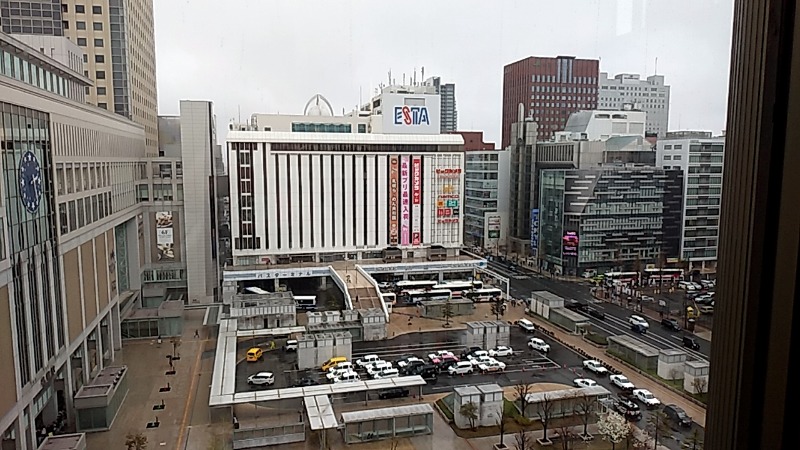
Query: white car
point(344, 365)
point(539, 344)
point(647, 298)
point(460, 368)
point(595, 366)
point(501, 351)
point(367, 360)
point(584, 382)
point(477, 361)
point(378, 366)
point(646, 397)
point(386, 373)
point(441, 354)
point(403, 363)
point(347, 377)
point(335, 373)
point(638, 320)
point(622, 382)
point(477, 354)
point(261, 379)
point(492, 366)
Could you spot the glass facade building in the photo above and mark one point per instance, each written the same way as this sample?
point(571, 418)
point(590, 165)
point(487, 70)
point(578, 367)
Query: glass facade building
point(609, 218)
point(480, 194)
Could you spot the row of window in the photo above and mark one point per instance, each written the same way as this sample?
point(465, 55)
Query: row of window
point(574, 80)
point(673, 158)
point(96, 26)
point(563, 90)
point(673, 147)
point(77, 177)
point(161, 193)
point(13, 66)
point(79, 9)
point(75, 214)
point(630, 88)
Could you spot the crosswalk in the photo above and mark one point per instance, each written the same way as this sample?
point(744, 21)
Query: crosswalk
point(521, 277)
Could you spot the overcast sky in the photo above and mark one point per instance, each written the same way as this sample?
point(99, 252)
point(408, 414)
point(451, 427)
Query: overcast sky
point(272, 56)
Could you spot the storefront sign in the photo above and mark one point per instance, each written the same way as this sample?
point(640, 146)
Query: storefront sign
point(535, 233)
point(448, 173)
point(416, 201)
point(405, 200)
point(394, 195)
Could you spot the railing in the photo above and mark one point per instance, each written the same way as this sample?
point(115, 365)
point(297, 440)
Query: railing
point(348, 301)
point(260, 437)
point(377, 289)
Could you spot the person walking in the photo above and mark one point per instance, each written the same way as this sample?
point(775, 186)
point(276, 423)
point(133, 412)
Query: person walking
point(196, 334)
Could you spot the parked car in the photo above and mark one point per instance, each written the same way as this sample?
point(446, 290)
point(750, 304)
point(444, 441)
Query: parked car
point(690, 342)
point(501, 351)
point(670, 324)
point(261, 379)
point(305, 382)
point(422, 370)
point(622, 382)
point(647, 298)
point(411, 366)
point(638, 320)
point(526, 325)
point(291, 345)
point(627, 408)
point(477, 355)
point(638, 328)
point(367, 360)
point(390, 372)
point(595, 366)
point(584, 382)
point(442, 358)
point(470, 351)
point(334, 373)
point(347, 377)
point(344, 365)
point(539, 344)
point(678, 416)
point(646, 397)
point(478, 360)
point(378, 366)
point(492, 366)
point(461, 368)
point(403, 363)
point(575, 305)
point(706, 309)
point(597, 314)
point(393, 393)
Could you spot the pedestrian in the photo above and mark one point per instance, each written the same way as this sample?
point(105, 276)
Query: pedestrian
point(196, 334)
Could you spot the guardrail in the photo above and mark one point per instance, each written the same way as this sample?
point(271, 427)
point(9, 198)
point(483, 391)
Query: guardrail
point(377, 289)
point(348, 301)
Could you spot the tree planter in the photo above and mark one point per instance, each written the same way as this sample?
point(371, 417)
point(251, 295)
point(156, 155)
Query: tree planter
point(544, 443)
point(500, 447)
point(586, 437)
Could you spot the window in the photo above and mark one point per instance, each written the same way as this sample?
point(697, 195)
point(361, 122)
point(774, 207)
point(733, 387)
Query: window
point(64, 8)
point(98, 42)
point(80, 25)
point(97, 26)
point(80, 9)
point(101, 74)
point(101, 91)
point(82, 42)
point(65, 24)
point(677, 157)
point(102, 105)
point(97, 10)
point(99, 58)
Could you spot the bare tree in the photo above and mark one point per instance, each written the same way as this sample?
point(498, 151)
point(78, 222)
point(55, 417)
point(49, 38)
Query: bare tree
point(545, 409)
point(613, 427)
point(522, 440)
point(470, 411)
point(497, 307)
point(521, 391)
point(657, 427)
point(176, 345)
point(584, 408)
point(566, 433)
point(136, 441)
point(447, 312)
point(700, 385)
point(694, 441)
point(673, 373)
point(502, 418)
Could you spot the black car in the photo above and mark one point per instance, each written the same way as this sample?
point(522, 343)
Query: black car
point(411, 368)
point(576, 305)
point(393, 393)
point(627, 408)
point(597, 314)
point(305, 382)
point(637, 328)
point(690, 342)
point(470, 351)
point(670, 324)
point(677, 416)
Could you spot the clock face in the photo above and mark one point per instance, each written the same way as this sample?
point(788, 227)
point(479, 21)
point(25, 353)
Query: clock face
point(30, 182)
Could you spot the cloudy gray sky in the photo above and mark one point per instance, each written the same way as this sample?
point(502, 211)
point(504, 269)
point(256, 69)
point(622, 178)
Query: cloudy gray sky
point(272, 56)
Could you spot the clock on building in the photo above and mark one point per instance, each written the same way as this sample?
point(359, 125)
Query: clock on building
point(30, 182)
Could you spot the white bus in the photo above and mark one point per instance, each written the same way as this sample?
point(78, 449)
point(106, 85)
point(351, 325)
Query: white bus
point(459, 288)
point(420, 296)
point(255, 290)
point(484, 295)
point(411, 285)
point(389, 298)
point(305, 302)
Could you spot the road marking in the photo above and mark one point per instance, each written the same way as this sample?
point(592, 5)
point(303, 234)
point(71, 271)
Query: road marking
point(189, 399)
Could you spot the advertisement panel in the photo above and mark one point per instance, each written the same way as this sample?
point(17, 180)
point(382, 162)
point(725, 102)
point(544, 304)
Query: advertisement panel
point(493, 226)
point(416, 200)
point(535, 233)
point(394, 195)
point(410, 113)
point(448, 200)
point(165, 241)
point(405, 200)
point(570, 244)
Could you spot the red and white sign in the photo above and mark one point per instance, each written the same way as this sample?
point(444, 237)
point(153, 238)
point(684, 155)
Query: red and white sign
point(416, 200)
point(449, 173)
point(394, 208)
point(405, 200)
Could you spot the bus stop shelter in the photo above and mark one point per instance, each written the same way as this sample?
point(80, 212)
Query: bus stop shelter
point(387, 423)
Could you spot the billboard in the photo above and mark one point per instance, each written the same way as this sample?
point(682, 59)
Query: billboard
point(493, 222)
point(535, 233)
point(394, 194)
point(570, 244)
point(410, 113)
point(405, 200)
point(416, 200)
point(165, 241)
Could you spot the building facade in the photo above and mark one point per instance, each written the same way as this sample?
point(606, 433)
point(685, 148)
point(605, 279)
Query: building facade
point(701, 157)
point(650, 95)
point(607, 218)
point(602, 125)
point(447, 92)
point(69, 239)
point(118, 41)
point(550, 89)
point(486, 198)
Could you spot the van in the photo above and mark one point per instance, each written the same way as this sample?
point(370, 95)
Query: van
point(332, 362)
point(291, 345)
point(254, 354)
point(347, 377)
point(460, 368)
point(526, 325)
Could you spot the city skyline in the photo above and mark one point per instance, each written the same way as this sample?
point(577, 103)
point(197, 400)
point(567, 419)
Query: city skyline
point(347, 62)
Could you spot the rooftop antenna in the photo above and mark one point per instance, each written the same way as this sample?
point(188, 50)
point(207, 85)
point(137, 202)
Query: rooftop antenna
point(390, 76)
point(415, 76)
point(423, 73)
point(656, 66)
point(240, 113)
point(404, 79)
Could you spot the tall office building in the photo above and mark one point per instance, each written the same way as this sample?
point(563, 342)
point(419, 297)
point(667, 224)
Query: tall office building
point(118, 40)
point(650, 95)
point(447, 92)
point(701, 157)
point(551, 89)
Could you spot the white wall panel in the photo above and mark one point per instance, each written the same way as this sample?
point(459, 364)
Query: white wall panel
point(370, 206)
point(284, 216)
point(259, 194)
point(307, 217)
point(295, 209)
point(316, 189)
point(272, 203)
point(359, 203)
point(338, 206)
point(233, 185)
point(327, 198)
point(382, 208)
point(349, 216)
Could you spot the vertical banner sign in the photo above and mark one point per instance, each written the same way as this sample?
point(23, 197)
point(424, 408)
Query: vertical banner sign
point(405, 200)
point(535, 233)
point(394, 194)
point(416, 201)
point(164, 237)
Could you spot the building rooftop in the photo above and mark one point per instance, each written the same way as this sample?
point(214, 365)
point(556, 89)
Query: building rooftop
point(64, 442)
point(103, 383)
point(344, 138)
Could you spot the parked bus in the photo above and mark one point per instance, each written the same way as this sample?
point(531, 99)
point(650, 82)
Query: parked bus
point(389, 298)
point(459, 288)
point(484, 295)
point(420, 296)
point(305, 302)
point(413, 285)
point(624, 277)
point(255, 290)
point(664, 274)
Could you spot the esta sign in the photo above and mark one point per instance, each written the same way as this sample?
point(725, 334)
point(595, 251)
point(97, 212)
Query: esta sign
point(411, 115)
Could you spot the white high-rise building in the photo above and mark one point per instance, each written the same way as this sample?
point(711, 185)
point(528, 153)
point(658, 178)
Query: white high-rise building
point(702, 158)
point(650, 95)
